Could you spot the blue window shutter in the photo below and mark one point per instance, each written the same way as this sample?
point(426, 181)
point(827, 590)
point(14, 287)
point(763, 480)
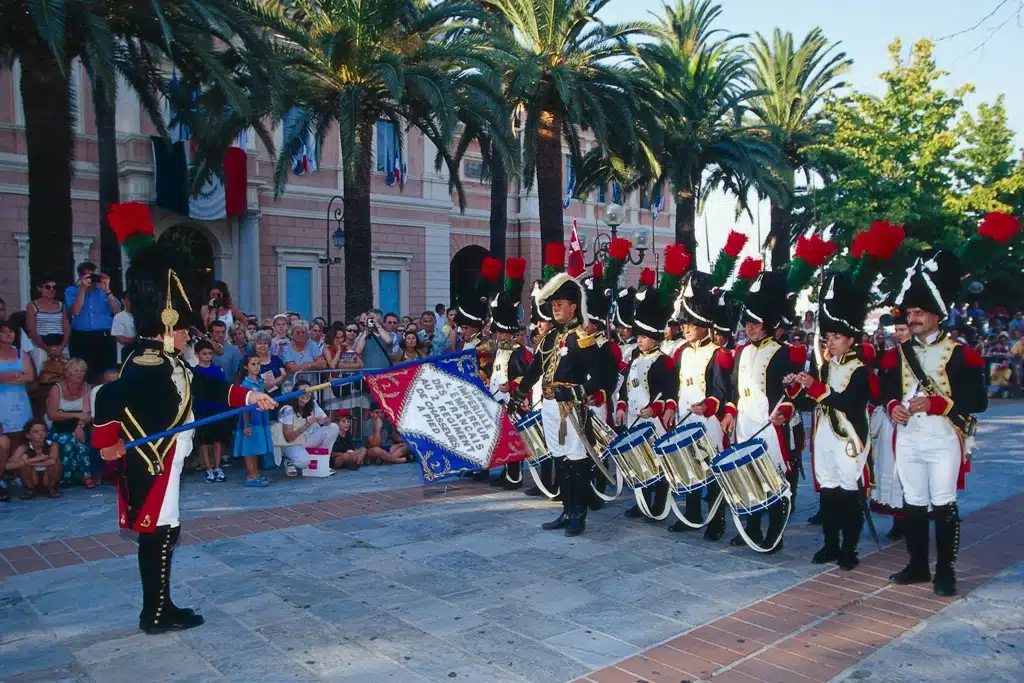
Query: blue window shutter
point(299, 291)
point(389, 287)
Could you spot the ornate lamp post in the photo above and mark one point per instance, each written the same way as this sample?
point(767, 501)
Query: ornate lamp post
point(614, 215)
point(337, 238)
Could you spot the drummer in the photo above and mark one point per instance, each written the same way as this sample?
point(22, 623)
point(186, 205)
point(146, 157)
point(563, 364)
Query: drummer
point(599, 304)
point(759, 390)
point(541, 323)
point(838, 393)
point(705, 387)
point(648, 394)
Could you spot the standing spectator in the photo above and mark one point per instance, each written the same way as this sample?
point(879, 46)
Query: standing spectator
point(439, 319)
point(219, 306)
point(304, 425)
point(377, 343)
point(300, 355)
point(316, 337)
point(239, 337)
point(3, 310)
point(69, 412)
point(391, 325)
point(252, 325)
point(16, 371)
point(226, 356)
point(252, 440)
point(123, 329)
point(92, 308)
point(411, 348)
point(343, 351)
point(434, 341)
point(47, 324)
point(344, 452)
point(271, 369)
point(280, 339)
point(808, 322)
point(1016, 324)
point(37, 462)
point(214, 436)
point(379, 437)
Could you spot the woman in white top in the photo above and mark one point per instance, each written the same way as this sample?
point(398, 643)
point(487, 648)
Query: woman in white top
point(47, 324)
point(304, 425)
point(219, 306)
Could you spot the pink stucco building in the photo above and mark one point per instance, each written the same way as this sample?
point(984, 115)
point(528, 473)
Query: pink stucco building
point(269, 256)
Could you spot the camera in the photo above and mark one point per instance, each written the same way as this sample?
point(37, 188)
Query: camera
point(371, 323)
point(216, 303)
point(95, 277)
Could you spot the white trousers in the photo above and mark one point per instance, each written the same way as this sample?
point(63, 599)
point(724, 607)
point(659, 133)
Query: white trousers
point(928, 456)
point(573, 447)
point(833, 466)
point(887, 490)
point(317, 436)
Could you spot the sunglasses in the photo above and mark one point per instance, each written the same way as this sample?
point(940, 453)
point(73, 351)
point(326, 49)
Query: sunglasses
point(352, 330)
point(49, 287)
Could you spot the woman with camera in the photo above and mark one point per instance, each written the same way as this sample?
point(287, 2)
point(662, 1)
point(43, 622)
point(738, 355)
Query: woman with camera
point(219, 306)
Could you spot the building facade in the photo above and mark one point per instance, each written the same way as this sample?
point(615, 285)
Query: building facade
point(270, 256)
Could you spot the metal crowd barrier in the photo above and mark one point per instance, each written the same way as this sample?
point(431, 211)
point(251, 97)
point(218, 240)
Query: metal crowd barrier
point(353, 397)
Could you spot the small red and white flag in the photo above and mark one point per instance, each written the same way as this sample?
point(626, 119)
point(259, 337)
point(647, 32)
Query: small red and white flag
point(575, 265)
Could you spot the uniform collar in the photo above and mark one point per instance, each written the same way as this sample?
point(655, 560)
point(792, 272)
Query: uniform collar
point(934, 337)
point(845, 358)
point(702, 343)
point(767, 339)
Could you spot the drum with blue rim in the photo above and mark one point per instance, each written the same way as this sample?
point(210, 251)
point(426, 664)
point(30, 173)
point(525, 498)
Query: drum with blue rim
point(531, 428)
point(634, 455)
point(685, 455)
point(748, 478)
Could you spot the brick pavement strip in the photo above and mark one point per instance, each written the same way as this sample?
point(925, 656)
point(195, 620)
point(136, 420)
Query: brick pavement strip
point(24, 559)
point(822, 626)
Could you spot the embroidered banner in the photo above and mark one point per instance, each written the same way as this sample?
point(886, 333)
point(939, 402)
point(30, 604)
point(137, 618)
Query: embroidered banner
point(444, 412)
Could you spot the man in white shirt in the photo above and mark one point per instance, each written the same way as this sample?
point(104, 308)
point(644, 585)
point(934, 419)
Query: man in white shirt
point(123, 330)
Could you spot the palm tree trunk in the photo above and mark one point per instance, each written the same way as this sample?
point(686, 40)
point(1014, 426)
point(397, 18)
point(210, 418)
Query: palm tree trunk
point(106, 134)
point(686, 221)
point(778, 238)
point(358, 229)
point(499, 205)
point(48, 120)
point(550, 190)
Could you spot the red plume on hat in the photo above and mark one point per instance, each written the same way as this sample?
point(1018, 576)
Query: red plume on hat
point(999, 226)
point(750, 268)
point(721, 271)
point(132, 225)
point(648, 277)
point(877, 243)
point(554, 260)
point(811, 253)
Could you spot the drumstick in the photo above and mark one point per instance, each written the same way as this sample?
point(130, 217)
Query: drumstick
point(639, 416)
point(767, 424)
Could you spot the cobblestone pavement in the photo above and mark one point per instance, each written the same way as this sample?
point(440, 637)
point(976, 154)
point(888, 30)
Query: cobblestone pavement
point(368, 576)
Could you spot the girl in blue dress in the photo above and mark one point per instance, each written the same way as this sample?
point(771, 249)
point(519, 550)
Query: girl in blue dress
point(252, 438)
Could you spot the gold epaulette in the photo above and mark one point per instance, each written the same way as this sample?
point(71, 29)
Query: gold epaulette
point(584, 340)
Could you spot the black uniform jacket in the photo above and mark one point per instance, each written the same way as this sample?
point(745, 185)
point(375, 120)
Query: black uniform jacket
point(143, 401)
point(568, 356)
point(852, 401)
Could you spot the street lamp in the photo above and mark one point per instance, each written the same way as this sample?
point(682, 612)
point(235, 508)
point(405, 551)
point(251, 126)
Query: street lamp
point(337, 237)
point(614, 215)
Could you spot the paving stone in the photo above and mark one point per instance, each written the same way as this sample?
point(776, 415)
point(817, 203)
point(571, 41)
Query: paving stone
point(593, 648)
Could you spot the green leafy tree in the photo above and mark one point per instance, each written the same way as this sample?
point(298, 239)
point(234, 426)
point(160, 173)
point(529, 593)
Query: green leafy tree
point(793, 81)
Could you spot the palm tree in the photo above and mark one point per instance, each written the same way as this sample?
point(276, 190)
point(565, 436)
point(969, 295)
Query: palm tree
point(792, 85)
point(113, 38)
point(703, 99)
point(399, 61)
point(566, 75)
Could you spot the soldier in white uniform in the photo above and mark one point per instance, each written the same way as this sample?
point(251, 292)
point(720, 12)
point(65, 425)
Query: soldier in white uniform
point(887, 493)
point(933, 386)
point(705, 385)
point(761, 367)
point(510, 363)
point(542, 322)
point(838, 393)
point(649, 389)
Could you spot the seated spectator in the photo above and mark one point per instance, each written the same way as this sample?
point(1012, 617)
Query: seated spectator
point(92, 308)
point(304, 425)
point(379, 439)
point(219, 306)
point(411, 348)
point(16, 372)
point(37, 462)
point(252, 439)
point(226, 356)
point(5, 453)
point(300, 355)
point(69, 413)
point(1000, 380)
point(108, 468)
point(123, 329)
point(214, 436)
point(344, 452)
point(47, 324)
point(280, 339)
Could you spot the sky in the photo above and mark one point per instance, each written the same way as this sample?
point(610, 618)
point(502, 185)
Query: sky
point(992, 63)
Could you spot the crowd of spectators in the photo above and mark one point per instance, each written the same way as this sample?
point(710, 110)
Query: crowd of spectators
point(56, 354)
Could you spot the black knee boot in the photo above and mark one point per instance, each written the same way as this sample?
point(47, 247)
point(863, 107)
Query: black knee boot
point(716, 527)
point(915, 526)
point(512, 479)
point(753, 529)
point(830, 523)
point(947, 545)
point(852, 524)
point(793, 480)
point(159, 613)
point(778, 515)
point(562, 472)
point(547, 477)
point(580, 476)
point(600, 484)
point(896, 533)
point(658, 499)
point(692, 512)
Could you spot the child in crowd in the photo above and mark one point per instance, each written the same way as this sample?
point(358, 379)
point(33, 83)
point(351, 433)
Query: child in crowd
point(37, 462)
point(304, 425)
point(252, 439)
point(382, 443)
point(344, 453)
point(213, 436)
